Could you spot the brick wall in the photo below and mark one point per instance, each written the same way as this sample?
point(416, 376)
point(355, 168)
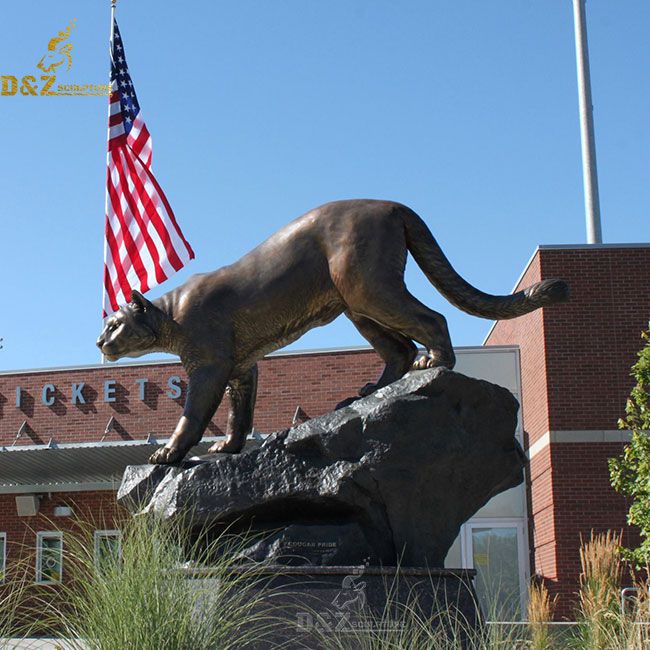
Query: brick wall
point(575, 361)
point(528, 332)
point(592, 341)
point(583, 501)
point(91, 511)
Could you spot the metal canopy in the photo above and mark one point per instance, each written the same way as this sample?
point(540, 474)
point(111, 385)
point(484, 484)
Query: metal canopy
point(75, 467)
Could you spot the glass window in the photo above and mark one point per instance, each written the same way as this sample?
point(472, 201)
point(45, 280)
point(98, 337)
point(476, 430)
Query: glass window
point(107, 547)
point(49, 557)
point(3, 555)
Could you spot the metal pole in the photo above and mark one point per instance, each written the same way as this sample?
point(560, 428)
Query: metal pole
point(589, 172)
point(110, 49)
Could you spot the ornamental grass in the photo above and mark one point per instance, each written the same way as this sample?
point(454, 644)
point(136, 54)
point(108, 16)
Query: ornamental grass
point(149, 598)
point(16, 605)
point(540, 614)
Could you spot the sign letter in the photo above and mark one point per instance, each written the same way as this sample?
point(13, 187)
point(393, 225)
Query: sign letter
point(142, 383)
point(174, 389)
point(47, 397)
point(109, 390)
point(77, 393)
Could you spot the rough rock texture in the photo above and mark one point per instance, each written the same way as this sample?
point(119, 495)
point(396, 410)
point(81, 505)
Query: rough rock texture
point(390, 478)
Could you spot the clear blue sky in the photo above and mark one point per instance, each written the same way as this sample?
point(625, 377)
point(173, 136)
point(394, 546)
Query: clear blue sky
point(259, 110)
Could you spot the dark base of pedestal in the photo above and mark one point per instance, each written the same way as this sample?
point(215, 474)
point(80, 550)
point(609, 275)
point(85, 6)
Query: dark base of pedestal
point(309, 607)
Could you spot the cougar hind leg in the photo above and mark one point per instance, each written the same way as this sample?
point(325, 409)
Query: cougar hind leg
point(371, 282)
point(397, 352)
point(402, 314)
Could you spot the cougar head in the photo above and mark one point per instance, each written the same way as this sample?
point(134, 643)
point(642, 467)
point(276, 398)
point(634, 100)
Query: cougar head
point(131, 331)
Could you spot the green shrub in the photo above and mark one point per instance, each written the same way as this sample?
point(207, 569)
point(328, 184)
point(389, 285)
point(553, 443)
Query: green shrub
point(630, 473)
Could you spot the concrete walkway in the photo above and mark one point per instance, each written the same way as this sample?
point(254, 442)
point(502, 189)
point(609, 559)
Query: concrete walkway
point(36, 644)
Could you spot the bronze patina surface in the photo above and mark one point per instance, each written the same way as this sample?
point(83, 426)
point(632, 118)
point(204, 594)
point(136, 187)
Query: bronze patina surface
point(343, 257)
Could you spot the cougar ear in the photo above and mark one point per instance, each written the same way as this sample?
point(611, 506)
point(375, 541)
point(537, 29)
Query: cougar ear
point(139, 301)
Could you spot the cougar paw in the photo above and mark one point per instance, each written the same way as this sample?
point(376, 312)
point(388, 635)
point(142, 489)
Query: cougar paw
point(166, 456)
point(422, 363)
point(227, 446)
point(430, 360)
point(367, 390)
point(346, 402)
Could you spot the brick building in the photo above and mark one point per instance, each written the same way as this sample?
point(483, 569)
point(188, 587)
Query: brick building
point(66, 434)
point(575, 365)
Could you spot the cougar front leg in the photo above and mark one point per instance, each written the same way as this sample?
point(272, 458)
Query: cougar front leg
point(242, 392)
point(205, 388)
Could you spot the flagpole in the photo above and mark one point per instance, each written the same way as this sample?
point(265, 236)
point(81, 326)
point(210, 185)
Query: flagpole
point(110, 50)
point(589, 173)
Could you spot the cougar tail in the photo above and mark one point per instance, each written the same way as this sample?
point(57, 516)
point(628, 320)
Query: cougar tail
point(433, 262)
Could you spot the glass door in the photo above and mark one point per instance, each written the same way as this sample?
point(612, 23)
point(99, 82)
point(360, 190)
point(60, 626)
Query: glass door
point(496, 549)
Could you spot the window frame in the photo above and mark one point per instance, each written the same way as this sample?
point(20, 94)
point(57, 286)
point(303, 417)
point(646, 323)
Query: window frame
point(98, 534)
point(3, 558)
point(40, 536)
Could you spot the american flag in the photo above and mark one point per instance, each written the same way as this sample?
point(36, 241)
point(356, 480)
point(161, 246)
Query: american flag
point(144, 245)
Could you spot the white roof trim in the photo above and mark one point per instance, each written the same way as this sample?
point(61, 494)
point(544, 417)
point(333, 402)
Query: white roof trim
point(59, 487)
point(174, 362)
point(109, 443)
point(91, 445)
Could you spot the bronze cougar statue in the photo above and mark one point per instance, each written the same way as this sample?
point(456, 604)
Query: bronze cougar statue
point(343, 257)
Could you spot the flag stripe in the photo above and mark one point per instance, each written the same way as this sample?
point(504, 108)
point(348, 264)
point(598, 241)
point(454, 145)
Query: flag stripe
point(140, 141)
point(109, 296)
point(122, 228)
point(120, 279)
point(156, 228)
point(148, 207)
point(137, 225)
point(182, 246)
point(160, 217)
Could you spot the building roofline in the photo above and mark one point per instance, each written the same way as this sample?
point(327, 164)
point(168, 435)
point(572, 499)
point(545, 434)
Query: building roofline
point(170, 362)
point(589, 246)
